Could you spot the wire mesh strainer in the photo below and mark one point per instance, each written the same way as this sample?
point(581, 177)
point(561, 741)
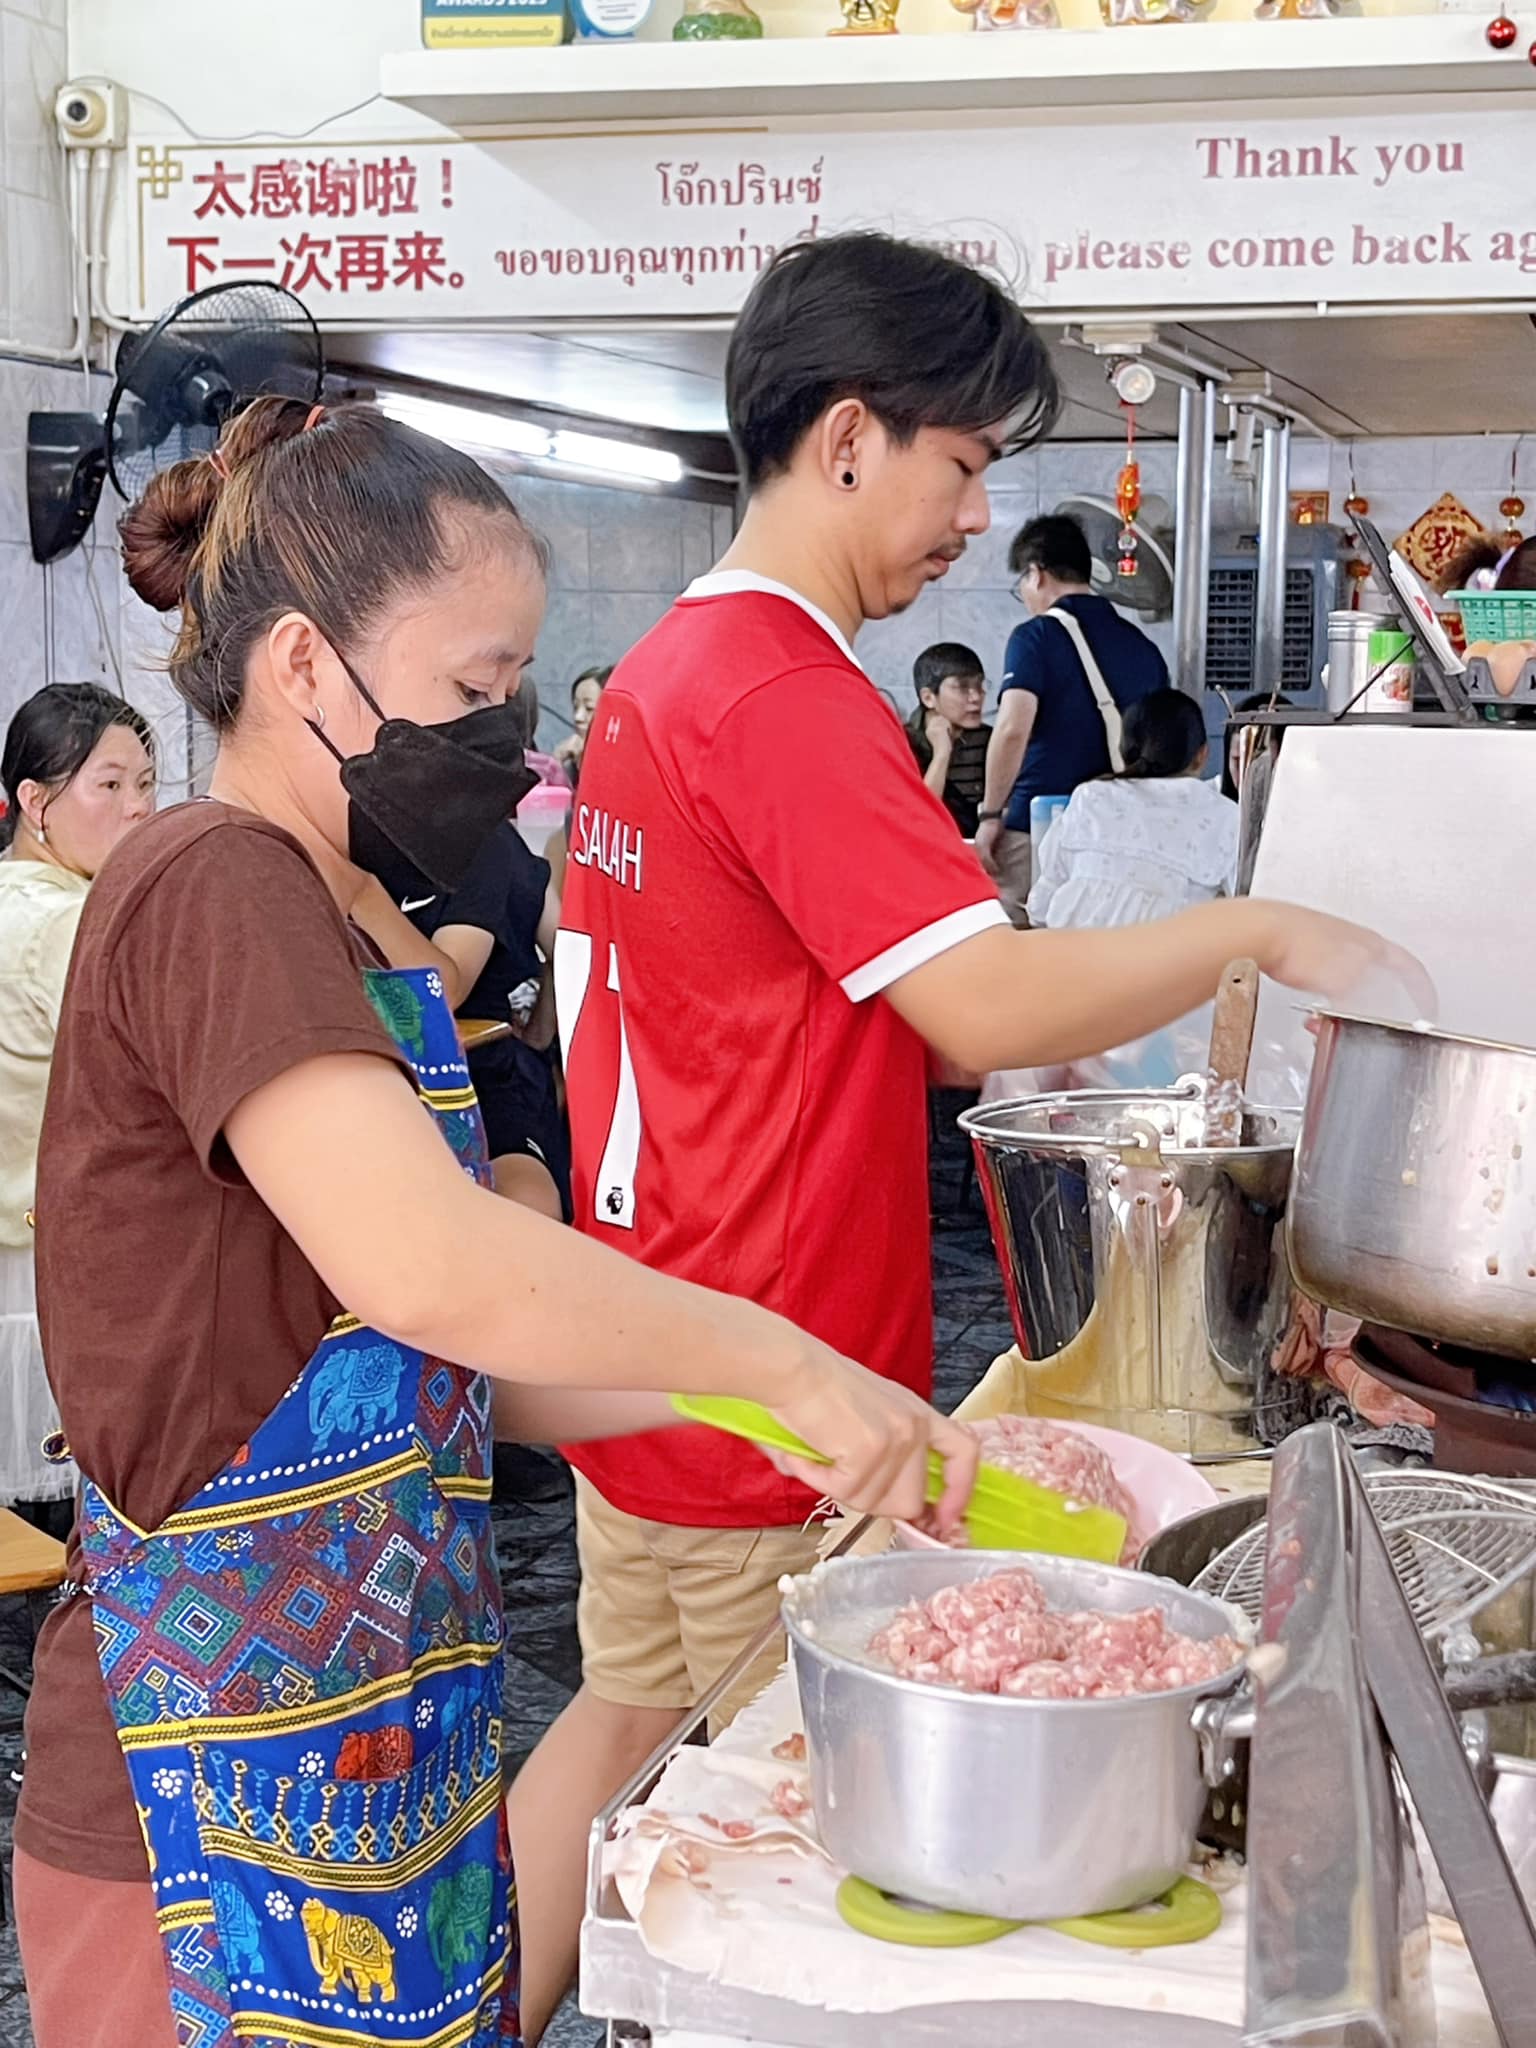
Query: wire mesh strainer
point(1456, 1544)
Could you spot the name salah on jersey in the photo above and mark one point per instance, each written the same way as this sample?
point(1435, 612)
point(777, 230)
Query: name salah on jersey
point(600, 840)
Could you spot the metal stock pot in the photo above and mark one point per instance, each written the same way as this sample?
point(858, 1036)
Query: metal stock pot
point(1414, 1202)
point(1023, 1809)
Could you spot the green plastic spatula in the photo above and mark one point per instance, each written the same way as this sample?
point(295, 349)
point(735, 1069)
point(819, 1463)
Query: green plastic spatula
point(1005, 1512)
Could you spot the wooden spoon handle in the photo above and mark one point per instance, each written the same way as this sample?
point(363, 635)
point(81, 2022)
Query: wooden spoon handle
point(1237, 1006)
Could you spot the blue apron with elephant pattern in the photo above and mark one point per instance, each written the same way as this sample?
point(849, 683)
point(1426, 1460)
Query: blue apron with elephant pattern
point(305, 1665)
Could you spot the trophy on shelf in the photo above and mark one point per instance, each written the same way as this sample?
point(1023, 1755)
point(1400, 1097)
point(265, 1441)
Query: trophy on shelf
point(867, 18)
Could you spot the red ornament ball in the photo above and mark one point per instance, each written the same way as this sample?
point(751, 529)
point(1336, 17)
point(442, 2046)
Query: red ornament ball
point(1512, 508)
point(1501, 32)
point(1531, 53)
point(1356, 506)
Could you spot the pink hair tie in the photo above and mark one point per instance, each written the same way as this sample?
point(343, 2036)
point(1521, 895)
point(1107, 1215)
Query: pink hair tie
point(316, 415)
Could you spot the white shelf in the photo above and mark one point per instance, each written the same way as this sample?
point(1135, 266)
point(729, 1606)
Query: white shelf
point(839, 77)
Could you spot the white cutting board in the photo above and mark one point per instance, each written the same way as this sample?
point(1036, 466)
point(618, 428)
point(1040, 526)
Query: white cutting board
point(1428, 836)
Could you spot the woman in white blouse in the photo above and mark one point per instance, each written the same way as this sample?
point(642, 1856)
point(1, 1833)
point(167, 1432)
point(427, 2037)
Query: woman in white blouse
point(1145, 843)
point(77, 771)
point(1127, 849)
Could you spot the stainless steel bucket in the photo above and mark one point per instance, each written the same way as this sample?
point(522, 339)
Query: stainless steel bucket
point(1146, 1274)
point(1027, 1809)
point(1415, 1203)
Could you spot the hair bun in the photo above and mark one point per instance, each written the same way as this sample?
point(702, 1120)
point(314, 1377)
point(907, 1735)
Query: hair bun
point(162, 531)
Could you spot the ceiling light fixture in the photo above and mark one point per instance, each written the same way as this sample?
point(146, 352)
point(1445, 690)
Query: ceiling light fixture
point(465, 426)
point(617, 458)
point(468, 427)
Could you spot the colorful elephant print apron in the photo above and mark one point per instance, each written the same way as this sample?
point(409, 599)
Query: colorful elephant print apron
point(305, 1665)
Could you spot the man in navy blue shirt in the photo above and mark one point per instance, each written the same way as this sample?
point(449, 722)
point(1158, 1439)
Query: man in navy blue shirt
point(1068, 673)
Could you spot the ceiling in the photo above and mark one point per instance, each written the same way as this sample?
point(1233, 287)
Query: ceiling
point(1356, 375)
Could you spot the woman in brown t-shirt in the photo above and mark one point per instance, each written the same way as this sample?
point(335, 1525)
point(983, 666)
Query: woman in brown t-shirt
point(233, 1155)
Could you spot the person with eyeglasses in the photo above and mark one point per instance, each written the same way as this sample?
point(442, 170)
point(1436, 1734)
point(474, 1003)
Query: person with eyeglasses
point(1071, 670)
point(946, 732)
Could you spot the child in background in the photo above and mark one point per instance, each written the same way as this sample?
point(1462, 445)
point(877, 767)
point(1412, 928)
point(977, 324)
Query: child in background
point(946, 734)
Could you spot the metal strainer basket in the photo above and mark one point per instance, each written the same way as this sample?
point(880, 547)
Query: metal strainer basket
point(1455, 1543)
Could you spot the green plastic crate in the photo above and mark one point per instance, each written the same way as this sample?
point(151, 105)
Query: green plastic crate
point(1496, 614)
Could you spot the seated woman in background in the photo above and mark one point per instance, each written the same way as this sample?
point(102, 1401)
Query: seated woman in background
point(78, 770)
point(1145, 843)
point(585, 691)
point(1129, 848)
point(1489, 567)
point(946, 732)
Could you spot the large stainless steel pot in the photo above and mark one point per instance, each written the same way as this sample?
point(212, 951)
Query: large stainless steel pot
point(1145, 1271)
point(1026, 1809)
point(1414, 1203)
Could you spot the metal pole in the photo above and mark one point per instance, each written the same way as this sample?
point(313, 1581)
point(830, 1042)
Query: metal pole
point(1192, 535)
point(1274, 515)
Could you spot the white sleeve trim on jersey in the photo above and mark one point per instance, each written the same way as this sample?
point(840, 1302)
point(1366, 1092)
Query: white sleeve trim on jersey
point(877, 975)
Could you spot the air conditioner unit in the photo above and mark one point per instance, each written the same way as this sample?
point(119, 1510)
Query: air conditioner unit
point(1315, 585)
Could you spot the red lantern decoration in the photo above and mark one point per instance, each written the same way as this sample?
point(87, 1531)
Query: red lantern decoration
point(1128, 497)
point(1501, 33)
point(1357, 507)
point(1512, 508)
point(1531, 53)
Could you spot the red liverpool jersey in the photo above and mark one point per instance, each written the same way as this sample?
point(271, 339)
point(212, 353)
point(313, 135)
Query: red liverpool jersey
point(753, 860)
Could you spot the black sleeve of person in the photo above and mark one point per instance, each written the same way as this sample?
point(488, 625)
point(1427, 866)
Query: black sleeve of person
point(502, 894)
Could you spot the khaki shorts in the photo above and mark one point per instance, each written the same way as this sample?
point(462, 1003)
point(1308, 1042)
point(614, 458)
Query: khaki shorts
point(1015, 863)
point(664, 1610)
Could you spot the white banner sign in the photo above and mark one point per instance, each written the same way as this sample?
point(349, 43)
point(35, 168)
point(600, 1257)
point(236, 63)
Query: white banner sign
point(1223, 210)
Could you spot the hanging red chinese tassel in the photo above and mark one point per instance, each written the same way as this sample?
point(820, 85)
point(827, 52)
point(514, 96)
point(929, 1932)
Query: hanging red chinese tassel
point(1128, 496)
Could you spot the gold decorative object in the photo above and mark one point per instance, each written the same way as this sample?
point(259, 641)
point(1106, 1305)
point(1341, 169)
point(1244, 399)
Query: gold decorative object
point(867, 18)
point(1310, 508)
point(1439, 538)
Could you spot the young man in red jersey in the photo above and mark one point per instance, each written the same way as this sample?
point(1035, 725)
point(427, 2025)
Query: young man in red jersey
point(760, 944)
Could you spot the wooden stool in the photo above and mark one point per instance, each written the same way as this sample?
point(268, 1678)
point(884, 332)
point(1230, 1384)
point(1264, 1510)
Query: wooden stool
point(32, 1565)
point(475, 1031)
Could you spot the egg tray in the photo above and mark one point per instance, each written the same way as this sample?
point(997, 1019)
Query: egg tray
point(1479, 683)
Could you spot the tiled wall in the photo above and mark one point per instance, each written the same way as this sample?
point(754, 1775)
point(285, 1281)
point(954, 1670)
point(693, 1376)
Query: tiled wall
point(54, 625)
point(36, 305)
point(619, 559)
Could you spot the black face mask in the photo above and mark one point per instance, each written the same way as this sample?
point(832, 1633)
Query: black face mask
point(424, 799)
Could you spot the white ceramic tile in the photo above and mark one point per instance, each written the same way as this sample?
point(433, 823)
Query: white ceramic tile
point(981, 620)
point(33, 65)
point(24, 668)
point(1406, 465)
point(636, 543)
point(1474, 465)
point(984, 565)
point(558, 514)
point(80, 651)
point(619, 619)
point(39, 266)
point(698, 534)
point(1311, 464)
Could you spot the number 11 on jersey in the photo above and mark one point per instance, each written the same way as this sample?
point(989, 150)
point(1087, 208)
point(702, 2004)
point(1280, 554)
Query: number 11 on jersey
point(613, 1184)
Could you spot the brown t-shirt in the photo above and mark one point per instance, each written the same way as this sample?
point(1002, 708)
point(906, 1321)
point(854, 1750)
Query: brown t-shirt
point(175, 1309)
